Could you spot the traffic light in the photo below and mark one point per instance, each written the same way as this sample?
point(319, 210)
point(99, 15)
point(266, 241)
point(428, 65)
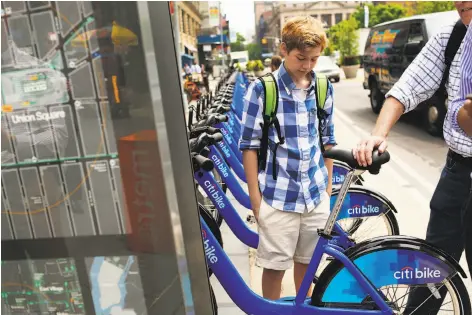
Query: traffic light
point(264, 41)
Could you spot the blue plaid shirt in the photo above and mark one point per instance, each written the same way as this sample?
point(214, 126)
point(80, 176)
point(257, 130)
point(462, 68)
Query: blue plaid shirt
point(302, 177)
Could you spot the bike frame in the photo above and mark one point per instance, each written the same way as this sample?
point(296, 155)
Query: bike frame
point(237, 225)
point(252, 303)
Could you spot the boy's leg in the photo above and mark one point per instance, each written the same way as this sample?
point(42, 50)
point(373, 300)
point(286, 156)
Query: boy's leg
point(272, 283)
point(299, 271)
point(278, 236)
point(308, 238)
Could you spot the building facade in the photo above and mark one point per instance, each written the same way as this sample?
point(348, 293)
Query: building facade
point(271, 16)
point(328, 12)
point(190, 23)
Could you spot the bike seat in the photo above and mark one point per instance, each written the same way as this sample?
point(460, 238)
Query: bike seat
point(347, 157)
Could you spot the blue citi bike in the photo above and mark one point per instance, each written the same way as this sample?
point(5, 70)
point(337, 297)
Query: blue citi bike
point(359, 202)
point(371, 277)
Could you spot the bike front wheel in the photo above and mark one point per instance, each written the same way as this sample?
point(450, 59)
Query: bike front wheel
point(412, 277)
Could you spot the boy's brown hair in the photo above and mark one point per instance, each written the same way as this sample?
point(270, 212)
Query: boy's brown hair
point(302, 32)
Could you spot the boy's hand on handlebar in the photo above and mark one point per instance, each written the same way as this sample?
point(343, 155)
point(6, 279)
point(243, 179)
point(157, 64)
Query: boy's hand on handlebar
point(363, 152)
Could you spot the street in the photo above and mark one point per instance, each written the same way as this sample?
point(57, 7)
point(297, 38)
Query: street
point(408, 180)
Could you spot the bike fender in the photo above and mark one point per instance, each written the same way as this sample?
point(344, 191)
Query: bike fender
point(360, 203)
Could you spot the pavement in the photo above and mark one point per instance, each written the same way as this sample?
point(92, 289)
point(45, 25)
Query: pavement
point(408, 180)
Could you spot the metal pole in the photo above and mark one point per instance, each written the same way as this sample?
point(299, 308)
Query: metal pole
point(176, 28)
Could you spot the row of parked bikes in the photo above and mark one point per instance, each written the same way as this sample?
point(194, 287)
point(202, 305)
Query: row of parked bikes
point(361, 264)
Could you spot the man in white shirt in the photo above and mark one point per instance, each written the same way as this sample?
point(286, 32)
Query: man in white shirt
point(418, 83)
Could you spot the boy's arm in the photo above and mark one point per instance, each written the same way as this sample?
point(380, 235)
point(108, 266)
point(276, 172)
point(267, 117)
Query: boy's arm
point(329, 166)
point(329, 140)
point(251, 171)
point(250, 141)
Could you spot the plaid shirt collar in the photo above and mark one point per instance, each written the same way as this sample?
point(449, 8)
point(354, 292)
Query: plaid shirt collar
point(288, 82)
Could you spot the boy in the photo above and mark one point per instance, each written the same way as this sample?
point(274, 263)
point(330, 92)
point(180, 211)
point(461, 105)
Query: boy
point(292, 203)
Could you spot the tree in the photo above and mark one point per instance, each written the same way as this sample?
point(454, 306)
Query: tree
point(379, 13)
point(254, 51)
point(424, 7)
point(238, 45)
point(345, 38)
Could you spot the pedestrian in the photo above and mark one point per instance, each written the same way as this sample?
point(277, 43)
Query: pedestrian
point(418, 83)
point(275, 62)
point(195, 68)
point(290, 193)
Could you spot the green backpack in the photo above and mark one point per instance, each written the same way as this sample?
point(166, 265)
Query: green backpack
point(271, 104)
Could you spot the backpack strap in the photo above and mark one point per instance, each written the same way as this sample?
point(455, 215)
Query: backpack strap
point(269, 114)
point(453, 44)
point(321, 90)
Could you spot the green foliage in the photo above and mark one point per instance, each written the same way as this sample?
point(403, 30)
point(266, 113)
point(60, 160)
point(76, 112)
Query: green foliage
point(379, 13)
point(250, 65)
point(424, 7)
point(328, 51)
point(254, 51)
point(345, 38)
point(259, 66)
point(255, 65)
point(238, 67)
point(238, 45)
point(240, 38)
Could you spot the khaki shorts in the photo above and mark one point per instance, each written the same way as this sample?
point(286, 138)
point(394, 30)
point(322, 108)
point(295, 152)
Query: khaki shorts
point(285, 237)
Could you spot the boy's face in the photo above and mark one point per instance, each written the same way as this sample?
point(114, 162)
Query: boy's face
point(300, 62)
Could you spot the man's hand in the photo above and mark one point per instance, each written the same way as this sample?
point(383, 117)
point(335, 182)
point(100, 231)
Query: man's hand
point(363, 152)
point(464, 117)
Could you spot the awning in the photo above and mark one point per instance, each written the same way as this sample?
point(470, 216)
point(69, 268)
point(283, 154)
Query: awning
point(190, 47)
point(187, 56)
point(212, 39)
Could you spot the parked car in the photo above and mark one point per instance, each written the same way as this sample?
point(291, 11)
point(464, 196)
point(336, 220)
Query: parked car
point(389, 50)
point(327, 66)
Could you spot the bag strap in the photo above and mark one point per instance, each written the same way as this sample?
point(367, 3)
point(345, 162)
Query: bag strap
point(271, 95)
point(321, 90)
point(453, 44)
point(269, 112)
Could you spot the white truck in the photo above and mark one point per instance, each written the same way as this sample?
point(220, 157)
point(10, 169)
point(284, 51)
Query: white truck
point(241, 57)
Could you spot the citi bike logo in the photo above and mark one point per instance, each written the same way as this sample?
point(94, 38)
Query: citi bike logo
point(215, 194)
point(358, 209)
point(408, 272)
point(338, 179)
point(209, 250)
point(224, 148)
point(225, 133)
point(220, 165)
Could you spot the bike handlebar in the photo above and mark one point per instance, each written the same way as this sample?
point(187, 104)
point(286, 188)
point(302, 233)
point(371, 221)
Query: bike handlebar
point(204, 140)
point(194, 133)
point(202, 162)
